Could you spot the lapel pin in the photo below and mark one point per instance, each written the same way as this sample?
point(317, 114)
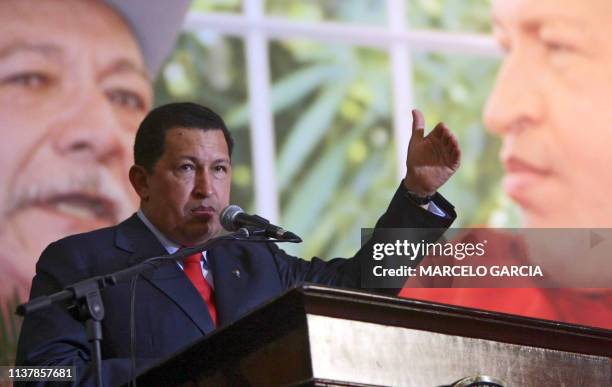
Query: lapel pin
point(236, 272)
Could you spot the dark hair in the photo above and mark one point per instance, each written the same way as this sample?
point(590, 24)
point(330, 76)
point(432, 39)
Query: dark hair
point(151, 135)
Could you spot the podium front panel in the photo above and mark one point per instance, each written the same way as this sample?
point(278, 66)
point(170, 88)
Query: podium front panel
point(318, 336)
point(370, 354)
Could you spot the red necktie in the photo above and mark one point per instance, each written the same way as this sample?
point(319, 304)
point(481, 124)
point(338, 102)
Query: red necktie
point(193, 269)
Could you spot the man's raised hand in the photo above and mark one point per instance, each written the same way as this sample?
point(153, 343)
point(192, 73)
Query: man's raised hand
point(432, 159)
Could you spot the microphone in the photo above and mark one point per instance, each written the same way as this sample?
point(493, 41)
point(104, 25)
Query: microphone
point(233, 218)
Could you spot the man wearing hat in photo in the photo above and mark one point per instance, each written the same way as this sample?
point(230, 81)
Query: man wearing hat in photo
point(75, 82)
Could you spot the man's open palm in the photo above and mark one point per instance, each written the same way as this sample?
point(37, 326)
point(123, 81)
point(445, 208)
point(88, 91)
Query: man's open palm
point(432, 159)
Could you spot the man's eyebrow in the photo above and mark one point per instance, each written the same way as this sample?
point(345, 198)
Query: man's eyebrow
point(540, 17)
point(125, 65)
point(222, 160)
point(47, 50)
point(215, 161)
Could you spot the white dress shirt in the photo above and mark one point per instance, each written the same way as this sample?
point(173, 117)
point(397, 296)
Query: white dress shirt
point(172, 247)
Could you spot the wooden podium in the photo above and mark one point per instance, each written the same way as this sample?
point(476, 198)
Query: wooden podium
point(320, 336)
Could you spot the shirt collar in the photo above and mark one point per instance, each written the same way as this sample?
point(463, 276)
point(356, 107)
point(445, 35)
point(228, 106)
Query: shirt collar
point(170, 246)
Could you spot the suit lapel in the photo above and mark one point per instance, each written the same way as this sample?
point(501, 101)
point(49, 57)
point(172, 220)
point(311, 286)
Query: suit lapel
point(134, 236)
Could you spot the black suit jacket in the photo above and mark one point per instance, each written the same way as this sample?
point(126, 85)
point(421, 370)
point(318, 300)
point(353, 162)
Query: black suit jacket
point(169, 312)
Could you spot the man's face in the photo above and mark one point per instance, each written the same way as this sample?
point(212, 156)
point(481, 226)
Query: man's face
point(552, 108)
point(73, 90)
point(189, 185)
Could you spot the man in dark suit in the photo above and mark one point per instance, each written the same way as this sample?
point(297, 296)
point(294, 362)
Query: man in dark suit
point(182, 175)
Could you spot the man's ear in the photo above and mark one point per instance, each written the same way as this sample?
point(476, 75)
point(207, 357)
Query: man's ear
point(140, 182)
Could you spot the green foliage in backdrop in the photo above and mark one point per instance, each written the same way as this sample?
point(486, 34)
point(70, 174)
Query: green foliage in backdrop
point(10, 325)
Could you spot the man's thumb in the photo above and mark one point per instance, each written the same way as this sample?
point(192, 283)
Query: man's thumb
point(418, 124)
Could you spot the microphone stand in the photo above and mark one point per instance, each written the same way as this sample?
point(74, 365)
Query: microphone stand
point(85, 295)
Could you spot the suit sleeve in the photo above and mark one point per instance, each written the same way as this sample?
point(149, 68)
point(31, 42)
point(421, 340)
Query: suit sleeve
point(53, 336)
point(401, 213)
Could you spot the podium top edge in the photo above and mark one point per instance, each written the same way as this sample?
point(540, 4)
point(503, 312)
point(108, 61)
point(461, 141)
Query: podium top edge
point(443, 311)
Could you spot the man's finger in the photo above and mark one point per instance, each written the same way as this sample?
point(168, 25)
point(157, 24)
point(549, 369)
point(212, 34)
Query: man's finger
point(457, 158)
point(449, 141)
point(418, 123)
point(452, 139)
point(455, 149)
point(438, 132)
point(444, 133)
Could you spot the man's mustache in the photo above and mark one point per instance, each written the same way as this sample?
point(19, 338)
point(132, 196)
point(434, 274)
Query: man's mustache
point(92, 189)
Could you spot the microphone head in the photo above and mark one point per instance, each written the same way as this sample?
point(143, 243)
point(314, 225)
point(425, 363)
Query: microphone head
point(227, 216)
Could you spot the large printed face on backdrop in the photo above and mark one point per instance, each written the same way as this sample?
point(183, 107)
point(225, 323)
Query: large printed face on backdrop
point(552, 107)
point(73, 90)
